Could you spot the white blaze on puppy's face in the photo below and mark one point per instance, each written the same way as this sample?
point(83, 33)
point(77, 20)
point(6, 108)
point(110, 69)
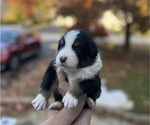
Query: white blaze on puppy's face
point(67, 54)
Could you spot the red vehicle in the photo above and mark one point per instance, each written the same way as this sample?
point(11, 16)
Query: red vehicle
point(17, 44)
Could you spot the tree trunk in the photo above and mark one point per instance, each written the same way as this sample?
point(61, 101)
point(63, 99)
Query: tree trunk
point(127, 38)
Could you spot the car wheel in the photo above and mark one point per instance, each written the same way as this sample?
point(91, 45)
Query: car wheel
point(14, 63)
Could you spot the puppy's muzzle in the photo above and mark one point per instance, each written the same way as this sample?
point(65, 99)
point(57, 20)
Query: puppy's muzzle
point(63, 59)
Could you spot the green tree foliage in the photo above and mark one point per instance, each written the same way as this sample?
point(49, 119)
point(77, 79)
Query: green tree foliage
point(34, 11)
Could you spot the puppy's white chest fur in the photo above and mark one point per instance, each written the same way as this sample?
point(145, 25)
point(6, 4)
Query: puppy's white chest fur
point(77, 75)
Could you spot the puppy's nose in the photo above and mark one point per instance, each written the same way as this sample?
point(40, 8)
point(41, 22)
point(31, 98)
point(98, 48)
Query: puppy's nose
point(63, 59)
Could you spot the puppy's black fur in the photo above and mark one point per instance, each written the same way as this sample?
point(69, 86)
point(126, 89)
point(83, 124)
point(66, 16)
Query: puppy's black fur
point(86, 52)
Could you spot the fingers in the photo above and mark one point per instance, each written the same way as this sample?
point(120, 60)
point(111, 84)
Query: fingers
point(63, 85)
point(90, 102)
point(61, 74)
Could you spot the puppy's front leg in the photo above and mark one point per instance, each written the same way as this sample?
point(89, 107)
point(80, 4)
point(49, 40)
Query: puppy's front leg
point(70, 100)
point(41, 100)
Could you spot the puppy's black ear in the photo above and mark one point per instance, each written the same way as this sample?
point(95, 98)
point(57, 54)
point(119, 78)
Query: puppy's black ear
point(93, 49)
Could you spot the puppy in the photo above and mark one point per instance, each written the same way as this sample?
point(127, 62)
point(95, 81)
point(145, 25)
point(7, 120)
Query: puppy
point(78, 56)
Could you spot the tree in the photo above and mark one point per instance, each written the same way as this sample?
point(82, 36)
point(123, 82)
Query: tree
point(34, 11)
point(85, 12)
point(22, 9)
point(135, 11)
point(136, 17)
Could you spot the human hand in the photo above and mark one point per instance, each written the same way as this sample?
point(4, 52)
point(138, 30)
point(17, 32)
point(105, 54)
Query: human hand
point(69, 101)
point(63, 85)
point(76, 116)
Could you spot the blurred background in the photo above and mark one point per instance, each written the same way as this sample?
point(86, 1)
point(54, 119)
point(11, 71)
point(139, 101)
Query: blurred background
point(30, 30)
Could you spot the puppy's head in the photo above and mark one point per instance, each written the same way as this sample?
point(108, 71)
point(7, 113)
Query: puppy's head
point(76, 50)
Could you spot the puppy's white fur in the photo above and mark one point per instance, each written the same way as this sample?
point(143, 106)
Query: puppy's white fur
point(72, 61)
point(70, 101)
point(67, 51)
point(74, 74)
point(39, 103)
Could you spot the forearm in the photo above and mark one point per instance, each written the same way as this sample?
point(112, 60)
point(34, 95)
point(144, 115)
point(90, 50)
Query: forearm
point(84, 118)
point(67, 115)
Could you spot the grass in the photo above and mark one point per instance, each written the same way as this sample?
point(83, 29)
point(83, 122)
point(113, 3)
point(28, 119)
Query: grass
point(137, 87)
point(129, 72)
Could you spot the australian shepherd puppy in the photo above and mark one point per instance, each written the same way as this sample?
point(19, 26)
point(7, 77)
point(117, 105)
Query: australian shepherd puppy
point(79, 58)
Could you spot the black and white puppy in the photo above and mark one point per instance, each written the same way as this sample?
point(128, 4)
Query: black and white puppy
point(78, 56)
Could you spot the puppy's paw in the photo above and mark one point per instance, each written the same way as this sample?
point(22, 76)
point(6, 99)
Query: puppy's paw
point(56, 106)
point(70, 101)
point(90, 102)
point(39, 103)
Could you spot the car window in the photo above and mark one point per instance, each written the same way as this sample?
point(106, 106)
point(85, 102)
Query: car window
point(8, 37)
point(28, 35)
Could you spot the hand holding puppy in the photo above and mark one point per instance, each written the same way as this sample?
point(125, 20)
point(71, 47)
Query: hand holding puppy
point(78, 115)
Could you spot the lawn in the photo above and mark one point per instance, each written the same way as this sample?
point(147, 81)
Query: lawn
point(129, 72)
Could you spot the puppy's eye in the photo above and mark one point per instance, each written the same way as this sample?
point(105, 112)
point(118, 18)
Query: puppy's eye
point(76, 44)
point(77, 48)
point(61, 43)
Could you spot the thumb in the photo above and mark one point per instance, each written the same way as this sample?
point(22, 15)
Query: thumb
point(63, 85)
point(61, 75)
